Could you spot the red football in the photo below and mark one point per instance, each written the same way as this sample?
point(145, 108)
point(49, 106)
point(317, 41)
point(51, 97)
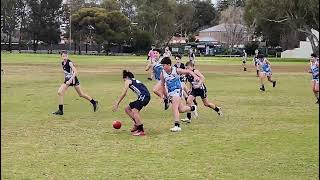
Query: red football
point(116, 124)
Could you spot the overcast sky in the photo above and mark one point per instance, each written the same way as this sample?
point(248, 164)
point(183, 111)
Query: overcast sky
point(214, 2)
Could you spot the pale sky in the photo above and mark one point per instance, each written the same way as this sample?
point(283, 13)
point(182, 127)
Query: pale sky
point(214, 2)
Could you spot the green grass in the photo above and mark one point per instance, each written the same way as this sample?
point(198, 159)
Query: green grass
point(263, 135)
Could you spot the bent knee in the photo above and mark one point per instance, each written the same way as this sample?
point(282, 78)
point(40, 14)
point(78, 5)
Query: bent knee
point(206, 104)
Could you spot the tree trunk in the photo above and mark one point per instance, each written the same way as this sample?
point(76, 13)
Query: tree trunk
point(79, 48)
point(20, 40)
point(314, 41)
point(75, 46)
point(10, 42)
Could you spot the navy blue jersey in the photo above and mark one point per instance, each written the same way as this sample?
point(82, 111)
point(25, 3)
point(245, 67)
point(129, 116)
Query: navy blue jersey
point(138, 88)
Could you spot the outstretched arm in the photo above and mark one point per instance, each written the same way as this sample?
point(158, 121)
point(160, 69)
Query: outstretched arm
point(124, 93)
point(184, 71)
point(163, 86)
point(149, 65)
point(201, 77)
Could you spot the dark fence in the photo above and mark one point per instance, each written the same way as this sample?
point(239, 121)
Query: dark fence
point(73, 49)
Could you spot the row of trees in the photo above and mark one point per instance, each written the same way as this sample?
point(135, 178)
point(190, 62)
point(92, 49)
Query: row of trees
point(132, 22)
point(138, 23)
point(38, 20)
point(282, 22)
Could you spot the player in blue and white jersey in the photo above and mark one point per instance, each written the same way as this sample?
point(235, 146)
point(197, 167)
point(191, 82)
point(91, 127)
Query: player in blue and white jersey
point(265, 71)
point(314, 70)
point(171, 84)
point(157, 68)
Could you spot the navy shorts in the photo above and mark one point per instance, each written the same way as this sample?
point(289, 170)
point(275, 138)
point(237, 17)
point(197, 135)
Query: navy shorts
point(74, 83)
point(199, 92)
point(140, 102)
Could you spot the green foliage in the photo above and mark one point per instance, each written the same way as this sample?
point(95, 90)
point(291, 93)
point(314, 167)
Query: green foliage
point(111, 5)
point(204, 16)
point(43, 24)
point(9, 20)
point(105, 27)
point(141, 41)
point(224, 4)
point(158, 19)
point(284, 16)
point(251, 47)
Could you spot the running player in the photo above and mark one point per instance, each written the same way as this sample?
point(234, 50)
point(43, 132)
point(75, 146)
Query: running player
point(170, 81)
point(70, 79)
point(134, 107)
point(265, 71)
point(157, 69)
point(192, 56)
point(255, 61)
point(199, 89)
point(314, 70)
point(167, 52)
point(180, 65)
point(151, 56)
point(244, 60)
point(183, 78)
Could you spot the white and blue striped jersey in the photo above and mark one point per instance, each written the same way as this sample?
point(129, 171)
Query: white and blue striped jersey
point(172, 80)
point(157, 69)
point(264, 66)
point(314, 70)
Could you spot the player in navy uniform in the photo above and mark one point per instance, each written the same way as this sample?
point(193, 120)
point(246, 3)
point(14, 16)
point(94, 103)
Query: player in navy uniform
point(134, 107)
point(199, 89)
point(314, 70)
point(70, 79)
point(170, 81)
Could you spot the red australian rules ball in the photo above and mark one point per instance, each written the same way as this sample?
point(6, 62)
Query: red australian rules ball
point(116, 124)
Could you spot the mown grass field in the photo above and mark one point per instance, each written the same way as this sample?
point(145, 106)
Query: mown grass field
point(263, 135)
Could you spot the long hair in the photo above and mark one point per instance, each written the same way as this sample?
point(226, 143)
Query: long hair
point(126, 73)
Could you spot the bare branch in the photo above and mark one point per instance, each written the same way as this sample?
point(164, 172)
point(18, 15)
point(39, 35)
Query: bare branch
point(277, 21)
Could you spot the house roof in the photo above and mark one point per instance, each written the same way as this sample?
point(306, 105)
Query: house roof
point(222, 27)
point(207, 39)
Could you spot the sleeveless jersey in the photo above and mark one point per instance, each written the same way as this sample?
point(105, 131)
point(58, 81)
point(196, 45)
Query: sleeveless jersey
point(172, 80)
point(264, 66)
point(195, 84)
point(157, 69)
point(182, 76)
point(314, 70)
point(67, 69)
point(138, 88)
